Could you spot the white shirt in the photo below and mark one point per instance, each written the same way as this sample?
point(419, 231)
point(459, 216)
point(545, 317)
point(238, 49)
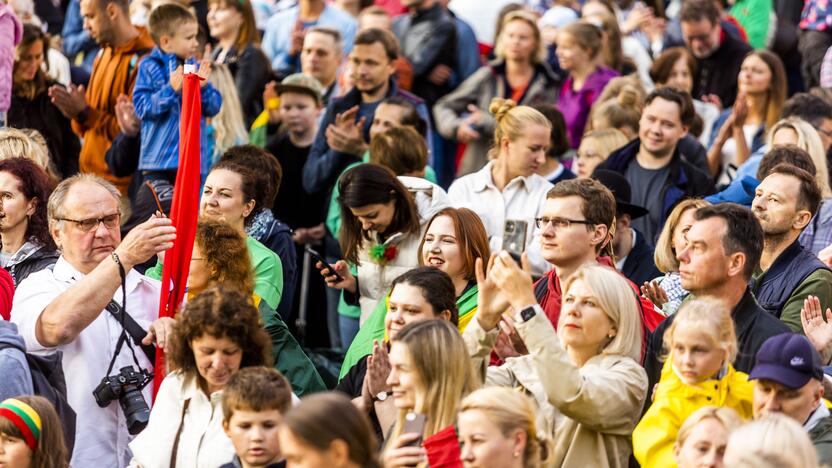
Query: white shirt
point(101, 435)
point(521, 199)
point(202, 442)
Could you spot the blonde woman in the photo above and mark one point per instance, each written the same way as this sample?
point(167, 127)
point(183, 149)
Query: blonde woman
point(497, 428)
point(798, 132)
point(667, 292)
point(508, 188)
point(20, 143)
point(596, 146)
point(588, 370)
point(771, 435)
point(703, 436)
point(226, 128)
point(621, 113)
point(430, 374)
point(519, 72)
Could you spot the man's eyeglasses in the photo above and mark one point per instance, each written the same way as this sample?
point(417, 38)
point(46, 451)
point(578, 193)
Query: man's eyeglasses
point(110, 221)
point(559, 223)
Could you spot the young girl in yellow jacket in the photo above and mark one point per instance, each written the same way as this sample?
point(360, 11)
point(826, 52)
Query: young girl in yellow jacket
point(702, 344)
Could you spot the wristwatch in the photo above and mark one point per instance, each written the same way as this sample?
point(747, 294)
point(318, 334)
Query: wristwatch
point(525, 315)
point(381, 396)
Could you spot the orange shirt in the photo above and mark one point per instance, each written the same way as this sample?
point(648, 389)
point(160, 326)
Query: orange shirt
point(113, 73)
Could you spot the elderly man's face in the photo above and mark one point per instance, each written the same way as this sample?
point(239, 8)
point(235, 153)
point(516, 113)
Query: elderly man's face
point(796, 403)
point(84, 250)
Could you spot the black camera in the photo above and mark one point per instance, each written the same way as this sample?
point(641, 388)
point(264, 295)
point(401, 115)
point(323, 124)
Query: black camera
point(126, 386)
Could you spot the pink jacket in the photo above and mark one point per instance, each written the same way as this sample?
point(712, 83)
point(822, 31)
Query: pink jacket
point(10, 32)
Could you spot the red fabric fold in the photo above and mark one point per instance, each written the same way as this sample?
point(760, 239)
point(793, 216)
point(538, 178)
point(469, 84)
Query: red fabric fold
point(443, 449)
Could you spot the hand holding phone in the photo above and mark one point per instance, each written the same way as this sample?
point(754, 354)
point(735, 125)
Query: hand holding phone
point(514, 238)
point(414, 423)
point(326, 268)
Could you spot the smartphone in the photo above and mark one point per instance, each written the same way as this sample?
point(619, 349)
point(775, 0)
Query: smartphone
point(514, 237)
point(327, 267)
point(414, 423)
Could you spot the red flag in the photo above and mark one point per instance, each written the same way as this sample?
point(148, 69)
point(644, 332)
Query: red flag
point(184, 210)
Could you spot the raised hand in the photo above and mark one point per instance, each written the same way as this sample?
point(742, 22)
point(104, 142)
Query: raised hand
point(654, 292)
point(126, 116)
point(818, 331)
point(490, 304)
point(345, 134)
point(146, 240)
point(347, 279)
point(514, 283)
point(176, 77)
point(378, 369)
point(70, 101)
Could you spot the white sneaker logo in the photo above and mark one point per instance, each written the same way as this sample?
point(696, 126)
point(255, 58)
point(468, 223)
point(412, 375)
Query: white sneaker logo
point(796, 361)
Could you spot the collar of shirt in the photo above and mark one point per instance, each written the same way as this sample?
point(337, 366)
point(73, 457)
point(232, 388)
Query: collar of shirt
point(65, 272)
point(192, 391)
point(817, 415)
point(484, 180)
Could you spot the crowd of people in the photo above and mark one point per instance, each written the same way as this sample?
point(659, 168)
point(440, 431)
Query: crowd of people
point(439, 233)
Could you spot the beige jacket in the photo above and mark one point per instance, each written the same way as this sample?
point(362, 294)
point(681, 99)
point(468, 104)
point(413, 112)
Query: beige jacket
point(374, 279)
point(595, 407)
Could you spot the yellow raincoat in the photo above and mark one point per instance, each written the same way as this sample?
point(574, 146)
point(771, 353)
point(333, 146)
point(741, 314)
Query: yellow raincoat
point(675, 400)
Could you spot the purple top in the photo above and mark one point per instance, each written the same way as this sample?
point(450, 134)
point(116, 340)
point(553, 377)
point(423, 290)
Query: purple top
point(575, 105)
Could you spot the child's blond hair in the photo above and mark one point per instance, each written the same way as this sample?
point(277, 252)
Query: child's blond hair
point(166, 18)
point(711, 317)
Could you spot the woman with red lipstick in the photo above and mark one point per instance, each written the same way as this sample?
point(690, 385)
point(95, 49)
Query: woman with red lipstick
point(508, 188)
point(216, 334)
point(740, 131)
point(587, 374)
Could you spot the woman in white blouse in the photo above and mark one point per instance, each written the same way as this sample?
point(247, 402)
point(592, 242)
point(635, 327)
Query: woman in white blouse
point(507, 188)
point(217, 334)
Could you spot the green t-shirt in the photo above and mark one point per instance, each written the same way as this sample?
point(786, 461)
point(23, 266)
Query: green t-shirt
point(268, 272)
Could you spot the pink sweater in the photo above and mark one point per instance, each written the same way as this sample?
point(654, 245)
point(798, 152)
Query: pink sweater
point(10, 32)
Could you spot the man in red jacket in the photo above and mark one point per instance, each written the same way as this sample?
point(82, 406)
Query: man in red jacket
point(575, 229)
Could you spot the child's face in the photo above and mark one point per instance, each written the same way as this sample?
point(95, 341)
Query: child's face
point(183, 42)
point(255, 436)
point(695, 356)
point(299, 112)
point(14, 451)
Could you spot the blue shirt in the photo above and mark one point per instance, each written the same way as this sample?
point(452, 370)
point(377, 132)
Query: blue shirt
point(278, 34)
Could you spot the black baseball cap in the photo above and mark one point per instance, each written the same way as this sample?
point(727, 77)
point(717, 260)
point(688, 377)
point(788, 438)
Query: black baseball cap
point(788, 359)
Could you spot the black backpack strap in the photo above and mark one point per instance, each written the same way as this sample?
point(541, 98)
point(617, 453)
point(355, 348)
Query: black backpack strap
point(541, 287)
point(136, 332)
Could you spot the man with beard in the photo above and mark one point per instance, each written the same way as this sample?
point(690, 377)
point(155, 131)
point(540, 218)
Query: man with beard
point(718, 54)
point(784, 203)
point(653, 163)
point(344, 133)
point(92, 110)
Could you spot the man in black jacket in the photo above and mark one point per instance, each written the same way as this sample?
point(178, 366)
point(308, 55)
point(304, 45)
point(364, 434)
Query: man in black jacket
point(653, 164)
point(718, 54)
point(633, 254)
point(724, 247)
point(428, 40)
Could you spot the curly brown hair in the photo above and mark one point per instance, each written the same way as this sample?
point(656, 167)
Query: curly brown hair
point(225, 252)
point(222, 313)
point(34, 183)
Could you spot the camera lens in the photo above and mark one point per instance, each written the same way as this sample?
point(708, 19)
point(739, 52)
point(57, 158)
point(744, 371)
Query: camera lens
point(135, 409)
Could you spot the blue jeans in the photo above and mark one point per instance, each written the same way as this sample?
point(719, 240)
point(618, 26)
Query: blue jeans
point(349, 328)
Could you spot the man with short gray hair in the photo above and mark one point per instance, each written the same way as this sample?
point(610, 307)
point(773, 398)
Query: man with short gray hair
point(63, 308)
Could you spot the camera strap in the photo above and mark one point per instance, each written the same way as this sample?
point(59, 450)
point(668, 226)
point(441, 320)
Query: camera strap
point(136, 332)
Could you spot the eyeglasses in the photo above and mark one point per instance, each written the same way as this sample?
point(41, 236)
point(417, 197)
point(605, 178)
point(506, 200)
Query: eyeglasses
point(559, 223)
point(111, 221)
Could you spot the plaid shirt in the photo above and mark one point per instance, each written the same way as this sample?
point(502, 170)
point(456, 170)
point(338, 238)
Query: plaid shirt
point(672, 285)
point(818, 234)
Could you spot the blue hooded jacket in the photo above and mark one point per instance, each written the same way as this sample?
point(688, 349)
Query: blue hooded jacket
point(158, 106)
point(14, 369)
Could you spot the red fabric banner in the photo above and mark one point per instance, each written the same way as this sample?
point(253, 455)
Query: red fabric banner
point(183, 213)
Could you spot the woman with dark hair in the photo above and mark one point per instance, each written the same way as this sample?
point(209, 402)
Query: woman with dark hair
point(232, 194)
point(216, 334)
point(423, 293)
point(740, 131)
point(220, 256)
point(31, 106)
point(232, 24)
point(30, 434)
point(453, 240)
point(309, 436)
point(382, 221)
point(27, 246)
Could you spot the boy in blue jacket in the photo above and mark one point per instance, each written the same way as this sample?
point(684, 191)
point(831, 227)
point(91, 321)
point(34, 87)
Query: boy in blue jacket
point(157, 96)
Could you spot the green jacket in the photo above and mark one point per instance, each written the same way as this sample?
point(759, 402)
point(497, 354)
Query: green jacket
point(821, 436)
point(288, 356)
